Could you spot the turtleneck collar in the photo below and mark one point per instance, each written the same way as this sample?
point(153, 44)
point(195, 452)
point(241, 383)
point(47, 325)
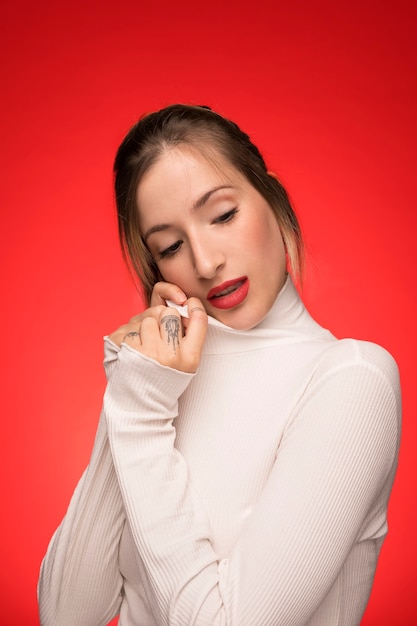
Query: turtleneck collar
point(288, 321)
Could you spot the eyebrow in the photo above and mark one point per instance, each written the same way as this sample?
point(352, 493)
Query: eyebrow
point(197, 205)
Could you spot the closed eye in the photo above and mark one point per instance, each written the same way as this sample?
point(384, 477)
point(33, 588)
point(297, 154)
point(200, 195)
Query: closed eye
point(171, 250)
point(226, 217)
point(175, 247)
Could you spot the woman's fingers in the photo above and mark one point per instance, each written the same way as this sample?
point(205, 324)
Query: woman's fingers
point(153, 311)
point(160, 338)
point(195, 334)
point(159, 332)
point(171, 328)
point(133, 325)
point(132, 338)
point(167, 291)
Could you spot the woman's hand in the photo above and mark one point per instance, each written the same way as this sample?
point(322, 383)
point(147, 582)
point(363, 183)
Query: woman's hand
point(160, 334)
point(167, 291)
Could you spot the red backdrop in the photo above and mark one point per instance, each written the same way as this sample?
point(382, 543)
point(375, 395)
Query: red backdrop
point(328, 92)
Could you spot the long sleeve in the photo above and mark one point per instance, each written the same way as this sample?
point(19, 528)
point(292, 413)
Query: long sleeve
point(80, 583)
point(324, 501)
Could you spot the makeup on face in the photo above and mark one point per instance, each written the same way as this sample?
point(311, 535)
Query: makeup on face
point(213, 235)
point(230, 293)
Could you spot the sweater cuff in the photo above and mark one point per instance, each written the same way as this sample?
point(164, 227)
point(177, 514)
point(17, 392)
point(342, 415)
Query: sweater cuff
point(141, 384)
point(111, 351)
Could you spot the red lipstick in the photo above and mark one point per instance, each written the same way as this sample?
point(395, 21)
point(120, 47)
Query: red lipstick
point(229, 294)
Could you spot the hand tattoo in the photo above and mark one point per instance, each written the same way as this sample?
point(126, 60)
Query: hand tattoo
point(172, 327)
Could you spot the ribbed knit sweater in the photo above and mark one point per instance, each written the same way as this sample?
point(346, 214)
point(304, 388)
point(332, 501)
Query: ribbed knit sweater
point(252, 493)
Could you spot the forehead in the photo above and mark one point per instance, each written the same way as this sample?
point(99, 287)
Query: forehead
point(182, 174)
point(186, 158)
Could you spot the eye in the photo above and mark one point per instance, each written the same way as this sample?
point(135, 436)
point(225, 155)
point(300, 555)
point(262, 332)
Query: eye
point(226, 217)
point(171, 250)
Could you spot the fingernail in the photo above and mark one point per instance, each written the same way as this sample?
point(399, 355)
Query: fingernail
point(182, 310)
point(180, 297)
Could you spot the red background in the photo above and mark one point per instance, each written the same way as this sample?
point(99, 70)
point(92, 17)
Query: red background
point(326, 89)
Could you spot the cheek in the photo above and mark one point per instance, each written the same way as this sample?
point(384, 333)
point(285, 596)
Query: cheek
point(177, 272)
point(266, 237)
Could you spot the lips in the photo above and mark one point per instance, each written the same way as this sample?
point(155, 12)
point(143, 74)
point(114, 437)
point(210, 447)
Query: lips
point(230, 293)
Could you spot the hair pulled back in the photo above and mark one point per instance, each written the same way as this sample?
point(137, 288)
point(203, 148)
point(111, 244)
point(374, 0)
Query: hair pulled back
point(212, 135)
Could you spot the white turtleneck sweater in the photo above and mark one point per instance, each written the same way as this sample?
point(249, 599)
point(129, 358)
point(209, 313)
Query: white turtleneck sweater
point(253, 493)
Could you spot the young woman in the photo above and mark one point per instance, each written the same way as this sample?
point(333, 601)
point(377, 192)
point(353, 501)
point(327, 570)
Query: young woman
point(244, 457)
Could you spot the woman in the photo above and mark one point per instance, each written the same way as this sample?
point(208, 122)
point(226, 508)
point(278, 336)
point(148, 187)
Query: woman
point(244, 457)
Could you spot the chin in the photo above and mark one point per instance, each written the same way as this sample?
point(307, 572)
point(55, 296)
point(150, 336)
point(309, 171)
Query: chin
point(238, 320)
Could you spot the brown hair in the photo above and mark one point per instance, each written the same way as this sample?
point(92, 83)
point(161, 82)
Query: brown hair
point(209, 133)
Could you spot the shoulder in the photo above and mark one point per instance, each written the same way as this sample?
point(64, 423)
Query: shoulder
point(359, 380)
point(355, 390)
point(359, 357)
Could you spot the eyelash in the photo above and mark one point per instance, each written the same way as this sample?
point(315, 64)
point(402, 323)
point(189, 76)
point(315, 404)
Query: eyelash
point(225, 218)
point(171, 250)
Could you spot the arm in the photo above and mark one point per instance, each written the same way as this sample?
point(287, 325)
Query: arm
point(80, 583)
point(336, 458)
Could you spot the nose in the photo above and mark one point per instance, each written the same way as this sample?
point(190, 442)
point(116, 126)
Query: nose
point(207, 256)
